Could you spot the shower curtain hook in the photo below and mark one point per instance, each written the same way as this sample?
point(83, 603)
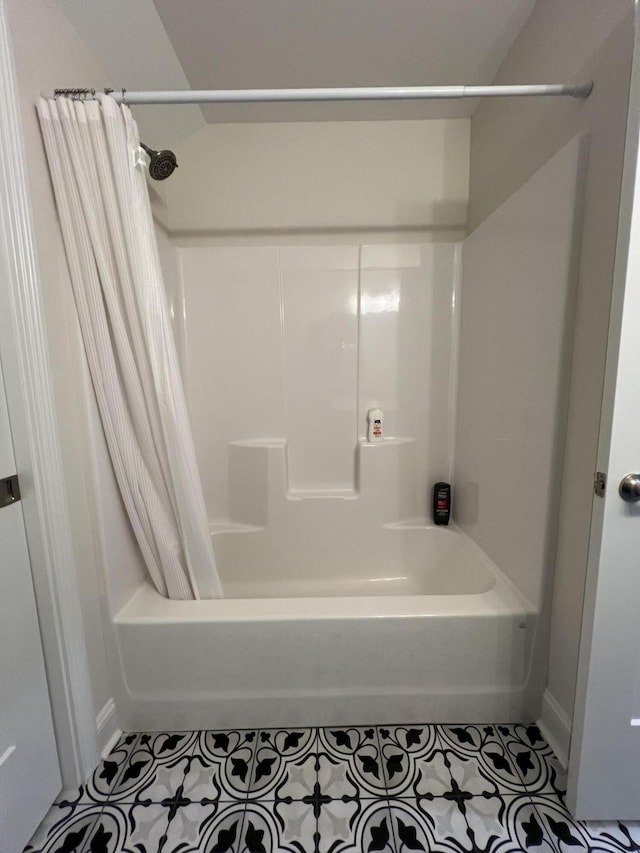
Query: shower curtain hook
point(124, 100)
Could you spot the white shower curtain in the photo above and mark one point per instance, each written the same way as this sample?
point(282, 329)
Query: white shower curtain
point(98, 173)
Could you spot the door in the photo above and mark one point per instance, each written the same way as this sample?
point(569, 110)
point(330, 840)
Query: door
point(604, 762)
point(29, 770)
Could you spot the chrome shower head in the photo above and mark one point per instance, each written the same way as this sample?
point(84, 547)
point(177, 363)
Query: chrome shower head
point(162, 163)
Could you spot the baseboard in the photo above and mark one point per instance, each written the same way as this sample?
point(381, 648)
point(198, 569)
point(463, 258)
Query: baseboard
point(107, 726)
point(556, 727)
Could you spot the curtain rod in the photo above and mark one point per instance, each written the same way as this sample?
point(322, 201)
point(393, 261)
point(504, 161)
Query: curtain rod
point(374, 93)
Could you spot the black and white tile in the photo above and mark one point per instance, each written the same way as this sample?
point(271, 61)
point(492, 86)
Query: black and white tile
point(349, 762)
point(65, 827)
point(130, 827)
point(220, 766)
point(349, 789)
point(99, 787)
point(155, 768)
point(479, 760)
point(426, 825)
point(284, 765)
point(539, 769)
point(413, 761)
point(198, 828)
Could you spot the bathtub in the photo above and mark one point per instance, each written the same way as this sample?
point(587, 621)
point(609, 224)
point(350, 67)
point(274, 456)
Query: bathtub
point(440, 635)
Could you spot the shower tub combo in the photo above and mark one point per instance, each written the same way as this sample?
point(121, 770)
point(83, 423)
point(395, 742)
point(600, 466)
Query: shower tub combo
point(343, 605)
point(337, 622)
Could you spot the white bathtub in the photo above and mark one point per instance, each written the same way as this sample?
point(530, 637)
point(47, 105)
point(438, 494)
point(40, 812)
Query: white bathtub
point(394, 559)
point(439, 636)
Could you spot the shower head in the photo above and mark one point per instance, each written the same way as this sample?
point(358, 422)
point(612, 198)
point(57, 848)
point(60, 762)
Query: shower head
point(162, 163)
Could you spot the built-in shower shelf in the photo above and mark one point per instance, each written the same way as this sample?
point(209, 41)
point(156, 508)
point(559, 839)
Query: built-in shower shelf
point(232, 527)
point(388, 441)
point(260, 494)
point(320, 494)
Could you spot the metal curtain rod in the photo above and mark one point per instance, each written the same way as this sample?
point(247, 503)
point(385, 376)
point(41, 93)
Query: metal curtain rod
point(373, 93)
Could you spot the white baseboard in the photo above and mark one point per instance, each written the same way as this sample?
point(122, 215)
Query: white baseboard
point(107, 725)
point(556, 727)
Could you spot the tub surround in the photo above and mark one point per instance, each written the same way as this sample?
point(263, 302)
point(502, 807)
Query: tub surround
point(316, 336)
point(516, 331)
point(342, 603)
point(276, 532)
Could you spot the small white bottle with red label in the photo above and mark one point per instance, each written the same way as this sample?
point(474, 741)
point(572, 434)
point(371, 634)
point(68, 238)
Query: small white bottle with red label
point(376, 419)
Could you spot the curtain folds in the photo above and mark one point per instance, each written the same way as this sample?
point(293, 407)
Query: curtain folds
point(98, 173)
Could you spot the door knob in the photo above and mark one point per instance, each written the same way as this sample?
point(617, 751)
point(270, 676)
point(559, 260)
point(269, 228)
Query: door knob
point(630, 488)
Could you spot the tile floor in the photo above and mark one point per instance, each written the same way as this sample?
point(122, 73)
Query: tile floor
point(386, 788)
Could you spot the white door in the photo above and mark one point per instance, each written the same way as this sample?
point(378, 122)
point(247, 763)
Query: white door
point(29, 770)
point(604, 763)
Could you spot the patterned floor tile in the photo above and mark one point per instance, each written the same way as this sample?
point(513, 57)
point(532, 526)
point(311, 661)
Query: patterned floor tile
point(335, 779)
point(431, 824)
point(352, 826)
point(284, 764)
point(349, 763)
point(443, 789)
point(557, 823)
point(106, 775)
point(412, 761)
point(219, 768)
point(565, 832)
point(507, 823)
point(278, 826)
point(356, 827)
point(156, 768)
point(337, 821)
point(614, 835)
point(129, 828)
point(540, 770)
point(478, 756)
point(210, 828)
point(65, 828)
point(469, 777)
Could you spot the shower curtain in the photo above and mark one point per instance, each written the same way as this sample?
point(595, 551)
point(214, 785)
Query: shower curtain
point(98, 172)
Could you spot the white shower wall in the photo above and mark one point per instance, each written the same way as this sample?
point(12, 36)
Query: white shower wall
point(298, 343)
point(516, 331)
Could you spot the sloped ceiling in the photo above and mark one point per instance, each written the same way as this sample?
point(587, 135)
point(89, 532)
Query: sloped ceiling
point(130, 41)
point(208, 44)
point(300, 43)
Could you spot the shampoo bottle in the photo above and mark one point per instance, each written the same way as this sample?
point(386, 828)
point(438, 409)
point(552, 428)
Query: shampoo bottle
point(376, 418)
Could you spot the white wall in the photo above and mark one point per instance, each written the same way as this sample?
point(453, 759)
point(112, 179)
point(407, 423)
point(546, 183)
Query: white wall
point(298, 343)
point(517, 290)
point(256, 178)
point(511, 139)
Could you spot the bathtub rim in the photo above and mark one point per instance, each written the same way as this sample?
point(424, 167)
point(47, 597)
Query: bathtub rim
point(147, 606)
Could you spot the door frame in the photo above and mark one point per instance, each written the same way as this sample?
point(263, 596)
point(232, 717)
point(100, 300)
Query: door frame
point(25, 359)
point(597, 580)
